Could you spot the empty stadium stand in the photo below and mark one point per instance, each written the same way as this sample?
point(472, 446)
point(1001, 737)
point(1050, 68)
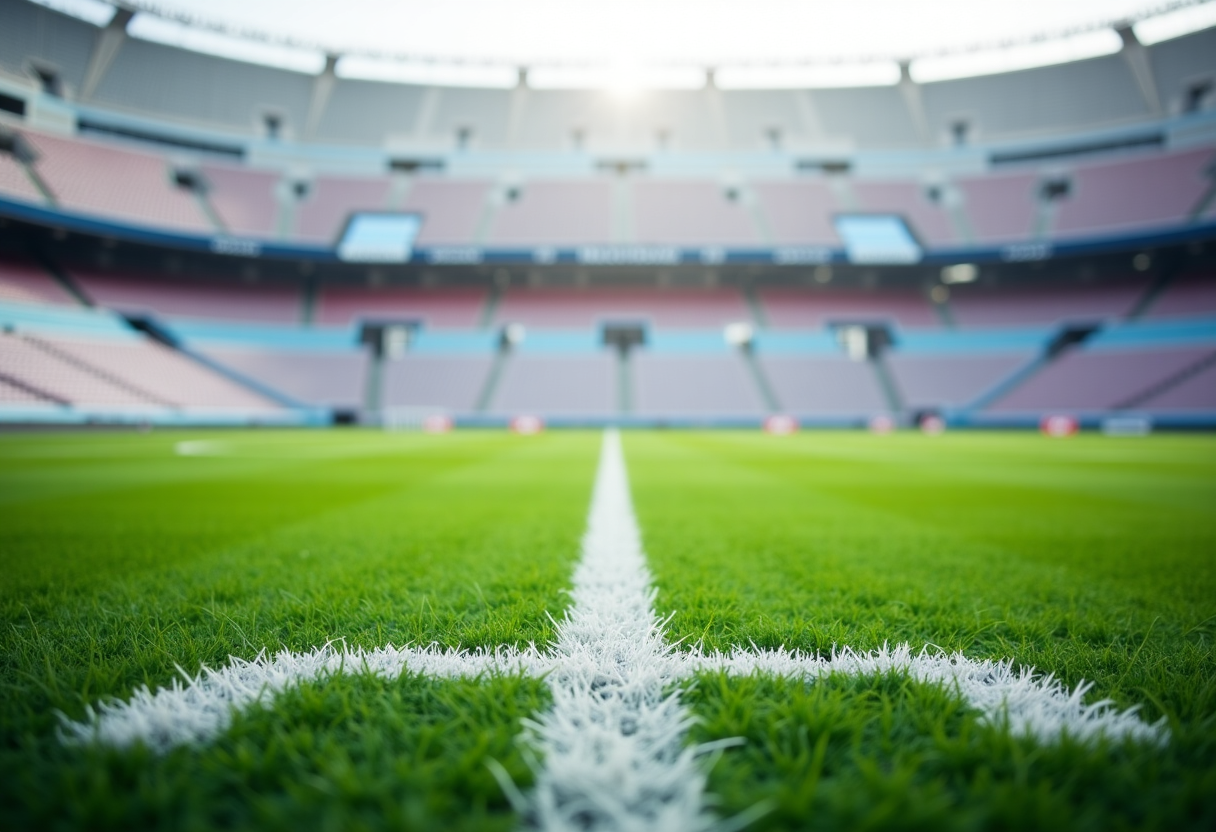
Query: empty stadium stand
point(27, 282)
point(451, 308)
point(557, 386)
point(1100, 380)
point(169, 224)
point(451, 382)
point(586, 308)
point(694, 386)
point(172, 296)
point(320, 378)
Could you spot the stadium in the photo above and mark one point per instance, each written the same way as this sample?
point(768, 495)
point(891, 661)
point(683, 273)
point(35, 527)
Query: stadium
point(646, 416)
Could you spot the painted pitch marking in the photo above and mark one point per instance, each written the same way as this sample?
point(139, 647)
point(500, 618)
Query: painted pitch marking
point(613, 742)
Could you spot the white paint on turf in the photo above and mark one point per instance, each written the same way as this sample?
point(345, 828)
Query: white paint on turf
point(611, 749)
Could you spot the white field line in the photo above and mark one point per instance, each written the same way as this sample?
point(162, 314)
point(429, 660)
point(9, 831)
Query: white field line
point(612, 745)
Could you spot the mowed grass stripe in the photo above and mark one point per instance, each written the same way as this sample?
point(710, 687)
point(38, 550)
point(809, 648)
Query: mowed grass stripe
point(1091, 559)
point(462, 539)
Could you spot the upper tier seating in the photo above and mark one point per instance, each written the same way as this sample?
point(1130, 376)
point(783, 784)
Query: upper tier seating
point(482, 112)
point(172, 296)
point(244, 199)
point(451, 209)
point(202, 89)
point(340, 305)
point(798, 212)
point(26, 282)
point(929, 221)
point(803, 308)
point(556, 213)
point(1165, 188)
point(53, 39)
point(997, 208)
point(557, 385)
point(867, 117)
point(1179, 63)
point(1087, 379)
point(115, 182)
point(366, 112)
point(1031, 102)
point(671, 308)
point(1001, 206)
point(691, 386)
point(322, 213)
point(978, 306)
point(674, 212)
point(824, 386)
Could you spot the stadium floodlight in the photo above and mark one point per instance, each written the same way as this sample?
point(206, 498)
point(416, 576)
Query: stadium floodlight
point(960, 273)
point(739, 334)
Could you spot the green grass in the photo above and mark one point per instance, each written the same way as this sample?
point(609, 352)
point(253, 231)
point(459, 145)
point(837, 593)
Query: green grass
point(1092, 558)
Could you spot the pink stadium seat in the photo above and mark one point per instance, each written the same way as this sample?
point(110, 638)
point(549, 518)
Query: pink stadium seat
point(324, 379)
point(557, 385)
point(178, 297)
point(452, 382)
point(451, 209)
point(167, 376)
point(950, 380)
point(979, 306)
point(688, 213)
point(38, 363)
point(452, 308)
point(798, 213)
point(556, 213)
point(115, 182)
point(1195, 393)
point(1134, 193)
point(1001, 206)
point(691, 386)
point(1097, 380)
point(26, 282)
point(12, 394)
point(929, 222)
point(824, 385)
point(322, 214)
point(14, 184)
point(1186, 296)
point(813, 308)
point(243, 198)
point(578, 308)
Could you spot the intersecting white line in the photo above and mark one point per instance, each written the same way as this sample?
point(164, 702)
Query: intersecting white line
point(612, 751)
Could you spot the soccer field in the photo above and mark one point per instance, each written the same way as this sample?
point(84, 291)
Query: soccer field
point(138, 559)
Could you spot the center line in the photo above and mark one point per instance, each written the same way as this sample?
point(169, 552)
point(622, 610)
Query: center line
point(613, 742)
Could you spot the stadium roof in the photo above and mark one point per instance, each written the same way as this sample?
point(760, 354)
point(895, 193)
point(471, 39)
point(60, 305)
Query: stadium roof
point(663, 43)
